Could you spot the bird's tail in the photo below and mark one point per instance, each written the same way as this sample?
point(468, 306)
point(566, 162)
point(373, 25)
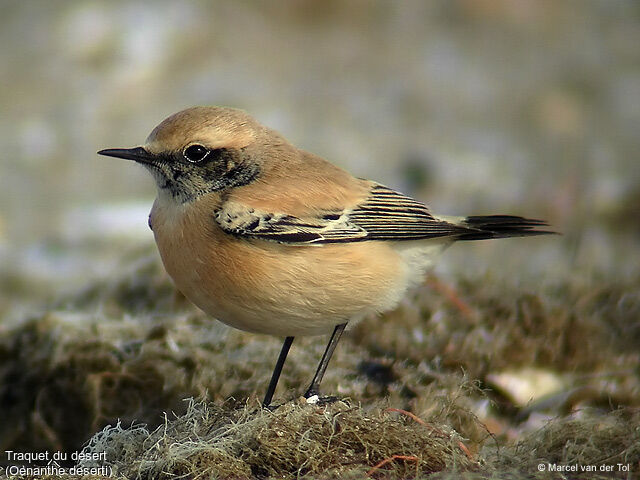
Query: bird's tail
point(501, 226)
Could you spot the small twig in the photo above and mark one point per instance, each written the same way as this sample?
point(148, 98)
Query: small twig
point(466, 450)
point(450, 294)
point(410, 415)
point(391, 459)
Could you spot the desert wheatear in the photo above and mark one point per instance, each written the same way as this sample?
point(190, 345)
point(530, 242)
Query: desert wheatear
point(271, 239)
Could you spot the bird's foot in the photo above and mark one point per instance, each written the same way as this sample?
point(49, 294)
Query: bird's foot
point(316, 400)
point(313, 397)
point(272, 407)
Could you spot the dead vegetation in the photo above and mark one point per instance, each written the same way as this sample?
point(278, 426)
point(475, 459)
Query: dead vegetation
point(294, 440)
point(428, 391)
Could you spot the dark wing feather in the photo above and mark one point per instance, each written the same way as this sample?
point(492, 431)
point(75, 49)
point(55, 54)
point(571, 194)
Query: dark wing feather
point(390, 215)
point(384, 215)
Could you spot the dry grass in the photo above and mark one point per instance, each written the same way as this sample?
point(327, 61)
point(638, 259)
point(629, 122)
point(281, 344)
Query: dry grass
point(295, 440)
point(112, 358)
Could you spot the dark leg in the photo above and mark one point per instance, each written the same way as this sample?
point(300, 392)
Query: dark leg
point(314, 388)
point(277, 371)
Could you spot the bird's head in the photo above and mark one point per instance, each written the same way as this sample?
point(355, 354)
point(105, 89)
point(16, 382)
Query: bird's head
point(200, 150)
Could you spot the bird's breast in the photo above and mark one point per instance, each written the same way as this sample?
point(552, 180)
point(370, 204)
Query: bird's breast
point(266, 287)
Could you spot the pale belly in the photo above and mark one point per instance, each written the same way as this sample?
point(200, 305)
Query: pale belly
point(282, 290)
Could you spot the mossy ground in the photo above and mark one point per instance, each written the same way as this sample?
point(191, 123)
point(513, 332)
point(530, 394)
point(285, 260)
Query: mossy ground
point(119, 363)
point(473, 106)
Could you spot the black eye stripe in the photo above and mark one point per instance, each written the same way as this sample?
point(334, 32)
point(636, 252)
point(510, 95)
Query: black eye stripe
point(216, 153)
point(219, 170)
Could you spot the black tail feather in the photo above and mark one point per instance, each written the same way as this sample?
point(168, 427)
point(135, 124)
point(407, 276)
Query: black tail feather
point(501, 226)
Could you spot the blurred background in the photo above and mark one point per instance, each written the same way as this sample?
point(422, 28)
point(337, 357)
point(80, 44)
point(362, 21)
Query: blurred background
point(473, 106)
point(524, 107)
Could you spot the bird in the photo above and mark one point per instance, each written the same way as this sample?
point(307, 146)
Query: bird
point(271, 239)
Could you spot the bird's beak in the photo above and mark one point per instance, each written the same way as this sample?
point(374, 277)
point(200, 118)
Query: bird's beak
point(138, 154)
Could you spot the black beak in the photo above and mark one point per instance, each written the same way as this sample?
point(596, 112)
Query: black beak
point(137, 154)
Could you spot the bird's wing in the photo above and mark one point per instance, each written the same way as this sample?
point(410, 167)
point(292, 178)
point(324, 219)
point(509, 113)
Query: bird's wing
point(384, 215)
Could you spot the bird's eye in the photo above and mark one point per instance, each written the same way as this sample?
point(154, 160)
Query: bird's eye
point(195, 153)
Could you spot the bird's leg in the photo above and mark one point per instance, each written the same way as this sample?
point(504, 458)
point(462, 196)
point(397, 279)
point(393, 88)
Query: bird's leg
point(314, 388)
point(277, 371)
